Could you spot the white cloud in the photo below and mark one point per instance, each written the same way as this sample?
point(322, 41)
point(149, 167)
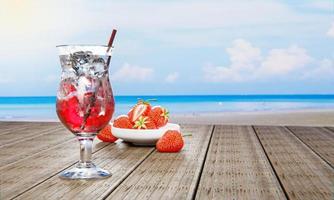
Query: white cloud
point(129, 73)
point(31, 29)
point(325, 5)
point(172, 77)
point(284, 61)
point(32, 21)
point(243, 55)
point(323, 70)
point(244, 58)
point(247, 63)
point(39, 25)
point(330, 32)
point(199, 14)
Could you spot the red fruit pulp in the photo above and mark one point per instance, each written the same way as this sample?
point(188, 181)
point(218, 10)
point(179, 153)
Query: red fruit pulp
point(71, 111)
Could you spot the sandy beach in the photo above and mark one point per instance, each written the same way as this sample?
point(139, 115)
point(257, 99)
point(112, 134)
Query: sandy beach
point(298, 117)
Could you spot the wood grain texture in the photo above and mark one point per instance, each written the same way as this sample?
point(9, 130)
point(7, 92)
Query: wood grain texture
point(318, 139)
point(331, 129)
point(27, 173)
point(30, 146)
point(303, 174)
point(237, 168)
point(12, 126)
point(120, 159)
point(6, 128)
point(12, 123)
point(234, 167)
point(168, 175)
point(32, 131)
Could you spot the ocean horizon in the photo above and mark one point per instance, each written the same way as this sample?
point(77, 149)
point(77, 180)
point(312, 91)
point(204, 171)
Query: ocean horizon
point(43, 107)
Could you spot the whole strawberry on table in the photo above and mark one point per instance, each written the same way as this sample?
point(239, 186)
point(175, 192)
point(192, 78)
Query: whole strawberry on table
point(144, 116)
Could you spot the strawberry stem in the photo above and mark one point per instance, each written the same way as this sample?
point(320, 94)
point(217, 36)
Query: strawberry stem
point(187, 135)
point(141, 123)
point(147, 101)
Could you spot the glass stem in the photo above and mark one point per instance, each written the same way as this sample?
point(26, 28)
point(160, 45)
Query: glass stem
point(86, 146)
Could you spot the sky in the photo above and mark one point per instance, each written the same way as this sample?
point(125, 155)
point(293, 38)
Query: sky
point(174, 47)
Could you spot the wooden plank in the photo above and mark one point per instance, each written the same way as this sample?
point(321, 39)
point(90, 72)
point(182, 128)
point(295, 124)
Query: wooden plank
point(13, 127)
point(120, 160)
point(33, 131)
point(29, 172)
point(237, 168)
point(8, 127)
point(30, 146)
point(14, 123)
point(9, 123)
point(303, 174)
point(318, 139)
point(331, 128)
point(169, 175)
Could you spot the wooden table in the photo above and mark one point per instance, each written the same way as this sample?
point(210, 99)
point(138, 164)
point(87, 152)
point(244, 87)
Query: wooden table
point(218, 162)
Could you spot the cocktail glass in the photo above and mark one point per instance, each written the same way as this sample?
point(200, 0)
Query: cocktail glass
point(85, 102)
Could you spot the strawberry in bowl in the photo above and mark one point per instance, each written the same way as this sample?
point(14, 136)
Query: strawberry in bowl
point(159, 115)
point(142, 108)
point(123, 121)
point(144, 124)
point(143, 137)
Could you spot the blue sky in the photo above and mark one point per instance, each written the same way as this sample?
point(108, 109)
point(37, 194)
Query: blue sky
point(174, 47)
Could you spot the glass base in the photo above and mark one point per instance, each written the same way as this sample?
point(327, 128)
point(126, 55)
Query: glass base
point(85, 171)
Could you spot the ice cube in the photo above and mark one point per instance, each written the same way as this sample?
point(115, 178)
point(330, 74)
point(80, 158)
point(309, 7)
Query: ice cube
point(99, 60)
point(99, 67)
point(84, 85)
point(82, 57)
point(66, 89)
point(65, 61)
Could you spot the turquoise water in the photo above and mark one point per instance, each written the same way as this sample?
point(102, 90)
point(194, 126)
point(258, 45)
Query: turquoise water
point(37, 108)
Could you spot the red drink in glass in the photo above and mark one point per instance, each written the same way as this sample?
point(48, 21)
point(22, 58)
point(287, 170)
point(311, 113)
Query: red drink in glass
point(85, 102)
point(74, 112)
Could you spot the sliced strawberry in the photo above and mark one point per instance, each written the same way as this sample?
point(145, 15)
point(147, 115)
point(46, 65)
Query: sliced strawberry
point(144, 123)
point(142, 108)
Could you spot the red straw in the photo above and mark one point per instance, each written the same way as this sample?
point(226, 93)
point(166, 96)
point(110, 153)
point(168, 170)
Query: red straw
point(111, 39)
point(93, 99)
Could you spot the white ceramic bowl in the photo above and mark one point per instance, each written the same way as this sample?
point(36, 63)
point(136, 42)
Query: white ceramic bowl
point(142, 137)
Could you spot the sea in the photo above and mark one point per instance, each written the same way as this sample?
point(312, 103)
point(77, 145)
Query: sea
point(43, 107)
